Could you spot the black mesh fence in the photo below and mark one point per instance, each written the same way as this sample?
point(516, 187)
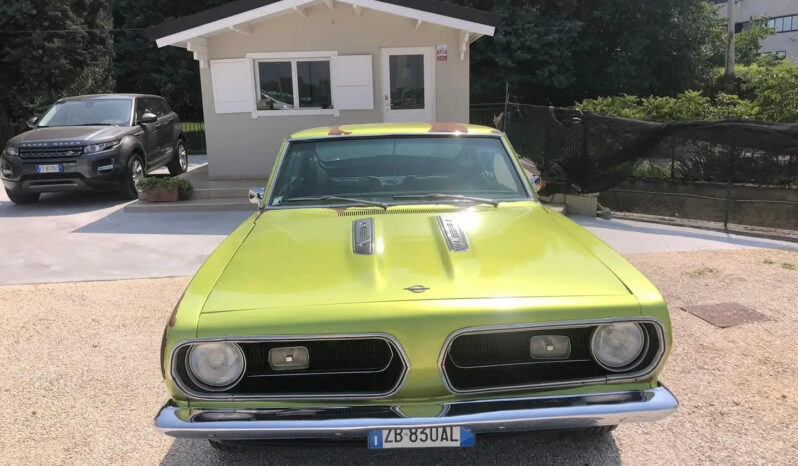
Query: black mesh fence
point(738, 171)
point(584, 152)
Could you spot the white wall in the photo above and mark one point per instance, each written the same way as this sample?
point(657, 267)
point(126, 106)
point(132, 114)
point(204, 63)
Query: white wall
point(239, 145)
point(785, 41)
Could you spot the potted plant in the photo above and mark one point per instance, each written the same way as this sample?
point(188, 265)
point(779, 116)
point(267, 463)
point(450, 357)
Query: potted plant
point(164, 189)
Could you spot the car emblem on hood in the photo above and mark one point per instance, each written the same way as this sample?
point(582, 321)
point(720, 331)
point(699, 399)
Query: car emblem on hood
point(417, 288)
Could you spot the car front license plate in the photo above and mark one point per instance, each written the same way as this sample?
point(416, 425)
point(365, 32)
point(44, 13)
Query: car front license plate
point(423, 437)
point(52, 168)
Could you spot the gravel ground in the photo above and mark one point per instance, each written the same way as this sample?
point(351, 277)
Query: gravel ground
point(80, 381)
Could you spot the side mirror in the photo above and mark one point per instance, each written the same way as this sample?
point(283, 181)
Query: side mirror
point(256, 195)
point(32, 122)
point(148, 118)
point(537, 183)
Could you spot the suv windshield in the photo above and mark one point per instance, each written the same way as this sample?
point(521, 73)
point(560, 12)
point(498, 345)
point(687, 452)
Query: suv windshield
point(88, 112)
point(397, 170)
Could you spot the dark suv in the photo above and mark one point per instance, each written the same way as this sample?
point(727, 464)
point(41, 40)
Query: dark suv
point(93, 142)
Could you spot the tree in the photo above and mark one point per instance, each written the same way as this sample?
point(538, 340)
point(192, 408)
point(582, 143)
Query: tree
point(49, 49)
point(142, 67)
point(559, 51)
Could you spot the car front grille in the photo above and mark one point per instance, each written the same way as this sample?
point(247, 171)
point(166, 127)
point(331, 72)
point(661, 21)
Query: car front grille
point(48, 152)
point(349, 366)
point(500, 359)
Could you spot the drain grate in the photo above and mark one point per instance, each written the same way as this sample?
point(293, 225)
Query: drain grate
point(726, 315)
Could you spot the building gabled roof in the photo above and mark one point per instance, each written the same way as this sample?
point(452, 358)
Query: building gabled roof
point(229, 15)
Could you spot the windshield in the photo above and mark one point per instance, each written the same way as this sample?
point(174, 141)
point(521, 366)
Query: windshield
point(114, 112)
point(397, 170)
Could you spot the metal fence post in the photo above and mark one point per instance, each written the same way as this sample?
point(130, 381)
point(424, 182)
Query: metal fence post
point(730, 176)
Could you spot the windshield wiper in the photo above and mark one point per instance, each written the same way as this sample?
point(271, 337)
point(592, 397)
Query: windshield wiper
point(493, 202)
point(337, 198)
point(96, 124)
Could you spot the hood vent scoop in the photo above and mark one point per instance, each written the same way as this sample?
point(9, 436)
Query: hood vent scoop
point(454, 235)
point(363, 236)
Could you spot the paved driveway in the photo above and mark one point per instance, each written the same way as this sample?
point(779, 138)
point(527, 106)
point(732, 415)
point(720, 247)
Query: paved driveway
point(82, 237)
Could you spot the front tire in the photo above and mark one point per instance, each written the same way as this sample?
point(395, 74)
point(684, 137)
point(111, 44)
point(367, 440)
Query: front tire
point(22, 197)
point(179, 162)
point(133, 172)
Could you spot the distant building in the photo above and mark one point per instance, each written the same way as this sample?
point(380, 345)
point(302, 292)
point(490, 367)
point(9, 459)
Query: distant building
point(782, 15)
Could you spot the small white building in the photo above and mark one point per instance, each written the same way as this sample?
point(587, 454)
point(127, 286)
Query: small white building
point(273, 67)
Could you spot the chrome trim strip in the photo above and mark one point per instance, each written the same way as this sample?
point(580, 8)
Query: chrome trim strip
point(455, 237)
point(636, 376)
point(363, 236)
point(502, 415)
point(192, 395)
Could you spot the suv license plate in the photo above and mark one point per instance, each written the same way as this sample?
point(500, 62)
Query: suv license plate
point(53, 168)
point(423, 437)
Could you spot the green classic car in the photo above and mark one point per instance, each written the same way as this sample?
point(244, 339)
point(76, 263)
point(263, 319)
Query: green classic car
point(402, 284)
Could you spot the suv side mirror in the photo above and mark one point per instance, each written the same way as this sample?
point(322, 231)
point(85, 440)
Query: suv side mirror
point(32, 122)
point(148, 118)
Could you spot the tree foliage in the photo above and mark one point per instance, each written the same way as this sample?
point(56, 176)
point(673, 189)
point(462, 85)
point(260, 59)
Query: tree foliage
point(558, 51)
point(769, 93)
point(142, 67)
point(74, 56)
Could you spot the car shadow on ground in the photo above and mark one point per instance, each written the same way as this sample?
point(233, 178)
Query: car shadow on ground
point(167, 223)
point(57, 204)
point(525, 448)
point(667, 230)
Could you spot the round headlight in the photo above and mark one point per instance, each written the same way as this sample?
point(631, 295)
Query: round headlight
point(617, 346)
point(216, 365)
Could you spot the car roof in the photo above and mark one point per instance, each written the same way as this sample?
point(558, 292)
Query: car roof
point(107, 96)
point(385, 129)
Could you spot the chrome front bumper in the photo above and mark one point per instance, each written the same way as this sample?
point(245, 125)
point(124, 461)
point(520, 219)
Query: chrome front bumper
point(509, 414)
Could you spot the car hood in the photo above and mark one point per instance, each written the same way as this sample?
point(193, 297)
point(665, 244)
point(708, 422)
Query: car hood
point(304, 257)
point(72, 133)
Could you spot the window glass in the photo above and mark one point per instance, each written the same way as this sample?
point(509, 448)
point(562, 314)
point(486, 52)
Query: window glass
point(779, 24)
point(407, 81)
point(167, 109)
point(795, 22)
point(276, 86)
point(771, 23)
point(315, 90)
point(88, 112)
point(787, 23)
point(157, 106)
point(381, 168)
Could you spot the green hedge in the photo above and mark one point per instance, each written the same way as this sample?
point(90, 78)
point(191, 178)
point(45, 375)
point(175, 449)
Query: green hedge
point(765, 90)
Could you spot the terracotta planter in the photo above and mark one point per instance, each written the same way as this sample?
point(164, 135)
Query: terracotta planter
point(161, 195)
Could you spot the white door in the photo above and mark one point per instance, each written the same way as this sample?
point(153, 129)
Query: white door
point(408, 84)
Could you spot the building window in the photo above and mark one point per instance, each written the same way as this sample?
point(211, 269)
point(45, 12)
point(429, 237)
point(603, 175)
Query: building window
point(294, 84)
point(787, 23)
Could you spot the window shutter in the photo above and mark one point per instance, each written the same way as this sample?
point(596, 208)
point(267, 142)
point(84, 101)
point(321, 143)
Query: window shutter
point(233, 84)
point(353, 81)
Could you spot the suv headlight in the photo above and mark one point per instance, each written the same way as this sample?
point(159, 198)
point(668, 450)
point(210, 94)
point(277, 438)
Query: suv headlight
point(12, 150)
point(216, 365)
point(92, 148)
point(618, 346)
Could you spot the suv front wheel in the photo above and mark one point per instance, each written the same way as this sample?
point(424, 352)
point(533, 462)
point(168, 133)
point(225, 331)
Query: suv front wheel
point(179, 163)
point(22, 197)
point(133, 173)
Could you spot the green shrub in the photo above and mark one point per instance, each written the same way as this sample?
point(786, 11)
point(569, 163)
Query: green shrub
point(765, 90)
point(183, 187)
